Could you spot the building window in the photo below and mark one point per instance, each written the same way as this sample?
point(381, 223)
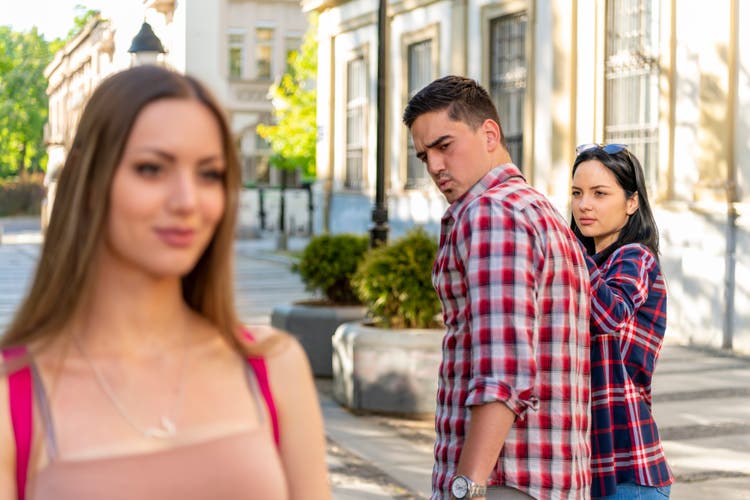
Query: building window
point(292, 44)
point(631, 111)
point(264, 53)
point(257, 163)
point(356, 114)
point(236, 54)
point(508, 78)
point(420, 73)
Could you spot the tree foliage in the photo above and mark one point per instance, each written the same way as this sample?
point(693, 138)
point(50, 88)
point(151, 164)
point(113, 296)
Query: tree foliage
point(293, 136)
point(82, 16)
point(23, 101)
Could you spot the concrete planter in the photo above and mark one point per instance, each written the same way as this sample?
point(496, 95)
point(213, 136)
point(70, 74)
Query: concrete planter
point(313, 326)
point(386, 370)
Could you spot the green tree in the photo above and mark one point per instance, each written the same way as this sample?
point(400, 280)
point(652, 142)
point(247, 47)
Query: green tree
point(293, 135)
point(23, 101)
point(82, 16)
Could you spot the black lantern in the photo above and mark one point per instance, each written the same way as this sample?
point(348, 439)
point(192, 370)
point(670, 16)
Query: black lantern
point(146, 46)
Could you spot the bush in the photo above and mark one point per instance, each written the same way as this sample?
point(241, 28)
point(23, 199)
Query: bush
point(21, 197)
point(328, 263)
point(395, 282)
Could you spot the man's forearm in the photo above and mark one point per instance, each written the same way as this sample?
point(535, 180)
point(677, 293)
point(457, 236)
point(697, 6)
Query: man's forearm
point(489, 426)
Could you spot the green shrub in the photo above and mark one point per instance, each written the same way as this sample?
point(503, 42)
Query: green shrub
point(328, 263)
point(21, 197)
point(395, 282)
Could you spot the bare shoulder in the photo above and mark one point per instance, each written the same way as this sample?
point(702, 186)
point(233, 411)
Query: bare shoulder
point(283, 354)
point(261, 333)
point(270, 342)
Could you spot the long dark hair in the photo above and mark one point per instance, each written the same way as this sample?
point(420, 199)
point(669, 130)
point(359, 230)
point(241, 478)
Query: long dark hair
point(641, 226)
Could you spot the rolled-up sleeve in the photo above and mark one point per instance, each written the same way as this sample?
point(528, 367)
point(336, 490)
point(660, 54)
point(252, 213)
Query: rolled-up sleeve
point(497, 247)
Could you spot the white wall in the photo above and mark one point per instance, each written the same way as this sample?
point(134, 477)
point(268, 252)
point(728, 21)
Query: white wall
point(204, 42)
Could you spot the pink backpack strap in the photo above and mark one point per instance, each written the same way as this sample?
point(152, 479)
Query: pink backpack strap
point(20, 401)
point(258, 364)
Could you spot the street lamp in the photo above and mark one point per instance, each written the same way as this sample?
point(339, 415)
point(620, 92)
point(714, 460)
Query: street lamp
point(379, 229)
point(146, 46)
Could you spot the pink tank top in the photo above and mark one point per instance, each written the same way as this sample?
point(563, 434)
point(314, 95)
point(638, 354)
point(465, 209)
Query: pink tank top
point(238, 466)
point(250, 466)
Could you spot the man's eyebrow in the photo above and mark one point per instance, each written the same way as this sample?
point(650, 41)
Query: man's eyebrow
point(422, 154)
point(437, 141)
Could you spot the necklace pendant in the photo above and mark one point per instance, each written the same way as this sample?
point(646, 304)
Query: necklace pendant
point(165, 430)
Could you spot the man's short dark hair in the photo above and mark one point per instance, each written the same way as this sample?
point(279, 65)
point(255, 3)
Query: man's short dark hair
point(464, 98)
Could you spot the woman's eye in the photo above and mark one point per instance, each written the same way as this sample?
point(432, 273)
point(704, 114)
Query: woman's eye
point(575, 194)
point(213, 174)
point(148, 169)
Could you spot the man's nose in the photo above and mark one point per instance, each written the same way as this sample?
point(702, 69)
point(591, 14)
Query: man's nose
point(434, 164)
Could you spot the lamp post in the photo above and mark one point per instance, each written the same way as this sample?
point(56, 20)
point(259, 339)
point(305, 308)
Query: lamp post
point(146, 46)
point(379, 229)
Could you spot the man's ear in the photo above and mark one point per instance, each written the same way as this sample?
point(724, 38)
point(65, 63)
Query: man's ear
point(492, 134)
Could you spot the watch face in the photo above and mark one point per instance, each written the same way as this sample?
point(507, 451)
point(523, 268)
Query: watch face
point(460, 487)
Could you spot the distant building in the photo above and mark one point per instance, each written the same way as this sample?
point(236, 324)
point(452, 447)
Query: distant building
point(237, 47)
point(670, 79)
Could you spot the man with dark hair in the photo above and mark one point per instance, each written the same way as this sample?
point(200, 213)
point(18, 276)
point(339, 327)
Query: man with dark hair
point(512, 417)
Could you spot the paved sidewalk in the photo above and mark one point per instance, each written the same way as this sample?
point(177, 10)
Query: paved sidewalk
point(702, 406)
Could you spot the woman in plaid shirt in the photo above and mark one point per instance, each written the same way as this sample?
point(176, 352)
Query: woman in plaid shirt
point(613, 221)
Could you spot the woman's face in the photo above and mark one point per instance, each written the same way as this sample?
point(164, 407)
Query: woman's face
point(168, 194)
point(600, 205)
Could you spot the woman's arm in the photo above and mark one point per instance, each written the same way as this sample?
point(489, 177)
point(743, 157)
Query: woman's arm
point(7, 446)
point(302, 447)
point(617, 293)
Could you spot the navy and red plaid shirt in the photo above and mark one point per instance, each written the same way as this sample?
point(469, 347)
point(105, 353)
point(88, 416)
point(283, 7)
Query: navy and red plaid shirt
point(628, 320)
point(515, 293)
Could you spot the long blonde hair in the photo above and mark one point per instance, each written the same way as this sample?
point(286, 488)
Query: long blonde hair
point(78, 218)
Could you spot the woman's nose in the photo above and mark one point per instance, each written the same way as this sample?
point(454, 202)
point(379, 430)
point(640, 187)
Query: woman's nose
point(584, 203)
point(183, 195)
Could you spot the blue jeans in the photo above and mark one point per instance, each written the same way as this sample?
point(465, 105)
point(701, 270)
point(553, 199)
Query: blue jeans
point(632, 491)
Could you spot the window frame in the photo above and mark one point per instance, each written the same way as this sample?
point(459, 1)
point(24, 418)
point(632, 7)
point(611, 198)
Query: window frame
point(429, 33)
point(516, 148)
point(362, 103)
point(642, 134)
point(262, 43)
point(242, 46)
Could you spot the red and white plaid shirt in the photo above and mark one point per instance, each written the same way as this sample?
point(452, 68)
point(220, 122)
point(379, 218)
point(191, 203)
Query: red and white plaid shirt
point(515, 293)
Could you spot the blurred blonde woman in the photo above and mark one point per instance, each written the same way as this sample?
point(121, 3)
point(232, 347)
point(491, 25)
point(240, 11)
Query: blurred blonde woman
point(126, 372)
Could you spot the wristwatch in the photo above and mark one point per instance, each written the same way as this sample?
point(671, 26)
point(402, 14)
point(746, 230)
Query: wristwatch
point(463, 487)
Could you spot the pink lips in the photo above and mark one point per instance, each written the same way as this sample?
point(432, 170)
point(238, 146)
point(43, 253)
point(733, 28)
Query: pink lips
point(586, 222)
point(176, 237)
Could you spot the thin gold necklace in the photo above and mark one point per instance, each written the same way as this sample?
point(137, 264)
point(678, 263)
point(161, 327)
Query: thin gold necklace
point(167, 426)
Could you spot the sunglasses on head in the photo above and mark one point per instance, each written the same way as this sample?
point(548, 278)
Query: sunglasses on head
point(610, 149)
